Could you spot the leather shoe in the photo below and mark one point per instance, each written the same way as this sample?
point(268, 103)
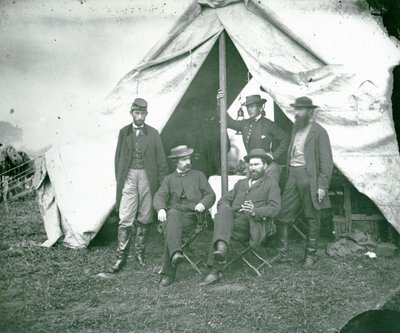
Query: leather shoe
point(177, 258)
point(166, 281)
point(220, 252)
point(309, 263)
point(214, 276)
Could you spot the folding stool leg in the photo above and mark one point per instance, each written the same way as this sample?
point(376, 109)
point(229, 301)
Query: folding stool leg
point(194, 266)
point(264, 262)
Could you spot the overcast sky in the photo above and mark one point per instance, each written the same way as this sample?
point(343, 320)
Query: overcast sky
point(58, 59)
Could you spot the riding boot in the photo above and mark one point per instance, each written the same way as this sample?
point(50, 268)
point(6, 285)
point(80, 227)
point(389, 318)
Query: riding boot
point(312, 244)
point(140, 243)
point(124, 242)
point(283, 244)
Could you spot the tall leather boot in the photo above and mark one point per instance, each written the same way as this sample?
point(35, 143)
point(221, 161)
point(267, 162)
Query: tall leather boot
point(312, 244)
point(140, 243)
point(124, 242)
point(283, 245)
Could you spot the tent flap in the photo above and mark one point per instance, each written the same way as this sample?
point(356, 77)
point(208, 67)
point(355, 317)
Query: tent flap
point(349, 80)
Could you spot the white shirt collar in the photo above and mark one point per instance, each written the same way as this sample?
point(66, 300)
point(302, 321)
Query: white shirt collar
point(134, 126)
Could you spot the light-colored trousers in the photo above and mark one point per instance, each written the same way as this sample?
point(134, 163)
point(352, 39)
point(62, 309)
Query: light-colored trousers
point(136, 202)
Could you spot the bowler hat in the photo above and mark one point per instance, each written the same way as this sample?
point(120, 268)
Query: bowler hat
point(254, 99)
point(181, 151)
point(260, 153)
point(303, 102)
point(139, 104)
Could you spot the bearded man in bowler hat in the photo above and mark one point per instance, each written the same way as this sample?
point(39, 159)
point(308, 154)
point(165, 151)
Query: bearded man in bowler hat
point(260, 132)
point(309, 172)
point(245, 213)
point(182, 195)
point(140, 166)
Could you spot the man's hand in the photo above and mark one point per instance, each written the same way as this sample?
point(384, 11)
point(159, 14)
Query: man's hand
point(162, 215)
point(321, 194)
point(199, 208)
point(248, 208)
point(220, 95)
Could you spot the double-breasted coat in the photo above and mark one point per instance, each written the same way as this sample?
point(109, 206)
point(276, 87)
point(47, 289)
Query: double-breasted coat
point(155, 162)
point(264, 134)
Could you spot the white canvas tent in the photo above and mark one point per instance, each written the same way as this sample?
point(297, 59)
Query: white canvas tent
point(338, 56)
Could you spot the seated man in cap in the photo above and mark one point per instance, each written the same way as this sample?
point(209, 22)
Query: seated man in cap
point(260, 132)
point(140, 166)
point(244, 213)
point(182, 194)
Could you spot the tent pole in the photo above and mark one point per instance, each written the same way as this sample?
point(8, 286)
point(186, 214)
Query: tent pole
point(222, 112)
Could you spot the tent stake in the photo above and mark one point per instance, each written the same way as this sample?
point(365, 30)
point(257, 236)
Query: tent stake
point(222, 111)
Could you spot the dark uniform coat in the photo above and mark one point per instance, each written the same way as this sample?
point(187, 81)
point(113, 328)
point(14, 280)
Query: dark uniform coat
point(155, 162)
point(319, 162)
point(263, 134)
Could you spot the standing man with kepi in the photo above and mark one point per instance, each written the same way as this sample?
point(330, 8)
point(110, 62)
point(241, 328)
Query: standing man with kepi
point(140, 166)
point(309, 172)
point(260, 132)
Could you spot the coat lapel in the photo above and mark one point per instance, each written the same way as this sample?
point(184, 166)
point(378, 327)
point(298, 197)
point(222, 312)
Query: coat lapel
point(145, 137)
point(129, 137)
point(311, 133)
point(291, 143)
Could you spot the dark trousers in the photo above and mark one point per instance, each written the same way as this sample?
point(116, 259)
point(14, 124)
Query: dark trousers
point(297, 198)
point(179, 224)
point(229, 226)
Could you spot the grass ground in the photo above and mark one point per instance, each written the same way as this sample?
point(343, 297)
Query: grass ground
point(57, 290)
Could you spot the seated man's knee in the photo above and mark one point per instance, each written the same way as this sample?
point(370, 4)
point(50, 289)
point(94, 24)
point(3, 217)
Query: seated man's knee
point(173, 213)
point(224, 209)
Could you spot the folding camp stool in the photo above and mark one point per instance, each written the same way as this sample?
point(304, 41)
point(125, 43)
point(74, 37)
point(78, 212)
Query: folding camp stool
point(241, 255)
point(299, 224)
point(200, 227)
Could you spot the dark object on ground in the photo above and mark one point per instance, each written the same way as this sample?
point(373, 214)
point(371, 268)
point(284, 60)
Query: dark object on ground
point(374, 321)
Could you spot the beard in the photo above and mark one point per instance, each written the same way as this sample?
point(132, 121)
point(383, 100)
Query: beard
point(254, 175)
point(302, 121)
point(187, 167)
point(138, 122)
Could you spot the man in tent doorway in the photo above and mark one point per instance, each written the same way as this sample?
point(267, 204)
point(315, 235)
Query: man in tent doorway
point(309, 172)
point(183, 194)
point(140, 166)
point(260, 132)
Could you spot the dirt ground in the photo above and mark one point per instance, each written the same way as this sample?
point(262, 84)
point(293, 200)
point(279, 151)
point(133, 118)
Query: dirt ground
point(58, 290)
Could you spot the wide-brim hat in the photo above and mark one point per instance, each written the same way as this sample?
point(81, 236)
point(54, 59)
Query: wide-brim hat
point(254, 99)
point(260, 153)
point(304, 102)
point(139, 104)
point(181, 151)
